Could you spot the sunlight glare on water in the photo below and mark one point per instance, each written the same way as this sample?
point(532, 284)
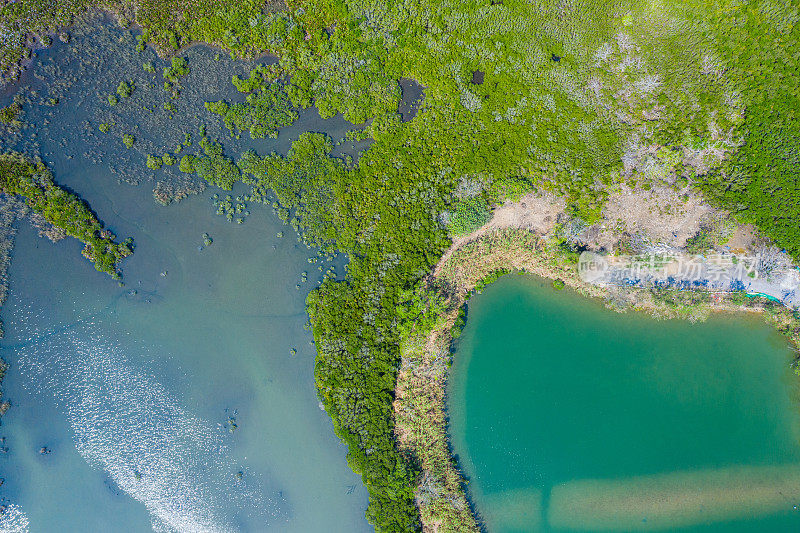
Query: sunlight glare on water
point(125, 422)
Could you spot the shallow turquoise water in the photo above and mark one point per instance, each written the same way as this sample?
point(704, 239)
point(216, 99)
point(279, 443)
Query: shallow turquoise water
point(569, 417)
point(131, 388)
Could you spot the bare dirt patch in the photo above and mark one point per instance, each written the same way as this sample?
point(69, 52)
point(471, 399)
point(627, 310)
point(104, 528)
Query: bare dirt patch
point(662, 215)
point(743, 238)
point(536, 212)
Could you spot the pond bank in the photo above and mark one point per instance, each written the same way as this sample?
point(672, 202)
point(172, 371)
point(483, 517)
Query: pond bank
point(420, 409)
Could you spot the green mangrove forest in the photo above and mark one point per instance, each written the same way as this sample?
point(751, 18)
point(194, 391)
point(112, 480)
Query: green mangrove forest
point(32, 181)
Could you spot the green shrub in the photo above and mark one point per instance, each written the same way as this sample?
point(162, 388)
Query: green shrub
point(469, 215)
point(214, 167)
point(261, 114)
point(699, 242)
point(31, 180)
point(490, 278)
point(186, 164)
point(178, 68)
point(154, 162)
point(10, 114)
point(459, 323)
point(124, 89)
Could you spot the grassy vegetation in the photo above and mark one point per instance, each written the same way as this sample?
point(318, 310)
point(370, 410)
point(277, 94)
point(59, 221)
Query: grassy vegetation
point(10, 114)
point(154, 162)
point(435, 314)
point(23, 24)
point(32, 181)
point(630, 83)
point(125, 89)
point(179, 68)
point(760, 181)
point(212, 165)
point(469, 214)
point(712, 233)
point(421, 418)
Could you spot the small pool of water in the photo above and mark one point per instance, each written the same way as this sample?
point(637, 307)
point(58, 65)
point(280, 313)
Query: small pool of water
point(568, 417)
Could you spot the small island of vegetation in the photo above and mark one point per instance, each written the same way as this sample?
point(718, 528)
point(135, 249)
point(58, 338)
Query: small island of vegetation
point(32, 181)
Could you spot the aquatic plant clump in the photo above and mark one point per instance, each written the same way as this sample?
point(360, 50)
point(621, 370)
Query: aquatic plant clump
point(124, 89)
point(262, 113)
point(154, 162)
point(260, 76)
point(32, 181)
point(213, 166)
point(10, 114)
point(231, 209)
point(178, 69)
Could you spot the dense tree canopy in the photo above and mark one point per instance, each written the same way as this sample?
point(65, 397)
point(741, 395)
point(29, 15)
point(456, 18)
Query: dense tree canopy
point(32, 181)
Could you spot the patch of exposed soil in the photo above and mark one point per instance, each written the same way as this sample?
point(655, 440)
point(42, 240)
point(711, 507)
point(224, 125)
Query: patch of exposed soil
point(742, 239)
point(661, 215)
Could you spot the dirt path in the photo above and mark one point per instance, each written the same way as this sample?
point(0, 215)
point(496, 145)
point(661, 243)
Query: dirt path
point(535, 212)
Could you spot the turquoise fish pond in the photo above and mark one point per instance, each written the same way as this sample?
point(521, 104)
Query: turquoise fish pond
point(566, 416)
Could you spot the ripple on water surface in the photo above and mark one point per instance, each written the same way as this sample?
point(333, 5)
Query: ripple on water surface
point(126, 422)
